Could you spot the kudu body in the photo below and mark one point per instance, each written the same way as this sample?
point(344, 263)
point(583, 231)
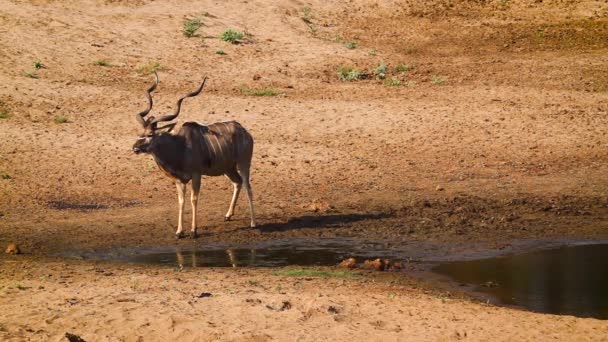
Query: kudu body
point(223, 148)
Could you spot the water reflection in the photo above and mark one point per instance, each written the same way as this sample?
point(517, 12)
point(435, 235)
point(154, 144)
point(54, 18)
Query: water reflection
point(569, 280)
point(241, 257)
point(234, 258)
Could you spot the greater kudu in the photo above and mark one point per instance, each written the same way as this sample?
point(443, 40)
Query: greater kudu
point(222, 148)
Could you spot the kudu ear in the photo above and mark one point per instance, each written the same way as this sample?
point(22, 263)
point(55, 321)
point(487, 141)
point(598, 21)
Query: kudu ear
point(169, 127)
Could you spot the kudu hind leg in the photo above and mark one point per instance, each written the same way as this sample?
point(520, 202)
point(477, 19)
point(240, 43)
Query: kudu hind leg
point(196, 187)
point(237, 183)
point(244, 172)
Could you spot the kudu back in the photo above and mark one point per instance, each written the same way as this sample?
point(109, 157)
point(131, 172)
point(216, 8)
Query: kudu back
point(222, 148)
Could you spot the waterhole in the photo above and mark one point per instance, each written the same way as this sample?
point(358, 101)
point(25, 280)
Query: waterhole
point(301, 252)
point(568, 280)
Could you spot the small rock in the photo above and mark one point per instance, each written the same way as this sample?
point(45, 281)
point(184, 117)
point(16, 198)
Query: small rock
point(285, 306)
point(73, 338)
point(319, 205)
point(256, 77)
point(396, 266)
point(348, 263)
point(13, 249)
point(439, 188)
point(377, 264)
point(204, 295)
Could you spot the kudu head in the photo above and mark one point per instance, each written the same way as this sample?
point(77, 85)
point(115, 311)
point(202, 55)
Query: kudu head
point(152, 131)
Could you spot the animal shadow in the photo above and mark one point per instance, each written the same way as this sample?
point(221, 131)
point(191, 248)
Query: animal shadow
point(320, 221)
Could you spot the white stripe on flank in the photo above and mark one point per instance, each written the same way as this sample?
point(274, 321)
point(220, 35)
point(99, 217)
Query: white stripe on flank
point(221, 156)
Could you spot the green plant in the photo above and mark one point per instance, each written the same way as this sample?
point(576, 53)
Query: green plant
point(191, 26)
point(5, 112)
point(102, 63)
point(232, 36)
point(392, 82)
point(307, 14)
point(350, 45)
point(220, 52)
point(259, 92)
point(381, 71)
point(307, 19)
point(436, 79)
point(299, 272)
point(373, 52)
point(540, 32)
point(60, 119)
point(38, 64)
point(348, 74)
point(21, 287)
point(31, 74)
point(403, 67)
point(148, 68)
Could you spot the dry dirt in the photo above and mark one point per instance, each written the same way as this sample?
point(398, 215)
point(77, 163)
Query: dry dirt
point(497, 133)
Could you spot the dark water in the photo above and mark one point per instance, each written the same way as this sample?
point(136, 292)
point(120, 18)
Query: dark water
point(568, 280)
point(302, 252)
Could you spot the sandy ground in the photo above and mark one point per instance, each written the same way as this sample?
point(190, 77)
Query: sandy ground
point(496, 134)
point(104, 302)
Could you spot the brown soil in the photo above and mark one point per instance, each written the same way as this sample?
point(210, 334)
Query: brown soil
point(497, 133)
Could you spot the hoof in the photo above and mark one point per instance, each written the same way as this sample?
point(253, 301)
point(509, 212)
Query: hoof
point(252, 225)
point(194, 235)
point(179, 235)
point(226, 218)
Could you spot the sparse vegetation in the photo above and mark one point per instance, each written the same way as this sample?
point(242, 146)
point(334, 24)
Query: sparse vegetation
point(5, 112)
point(381, 71)
point(299, 272)
point(102, 63)
point(307, 19)
point(254, 283)
point(348, 74)
point(191, 26)
point(392, 82)
point(21, 287)
point(410, 50)
point(373, 52)
point(437, 79)
point(259, 92)
point(540, 32)
point(148, 68)
point(220, 52)
point(60, 119)
point(38, 64)
point(4, 175)
point(350, 45)
point(31, 74)
point(404, 67)
point(307, 14)
point(232, 36)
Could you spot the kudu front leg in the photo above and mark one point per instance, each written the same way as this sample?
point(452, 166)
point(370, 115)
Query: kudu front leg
point(181, 188)
point(196, 187)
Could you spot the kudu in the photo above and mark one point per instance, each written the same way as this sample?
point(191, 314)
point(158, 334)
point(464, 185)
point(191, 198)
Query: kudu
point(222, 148)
